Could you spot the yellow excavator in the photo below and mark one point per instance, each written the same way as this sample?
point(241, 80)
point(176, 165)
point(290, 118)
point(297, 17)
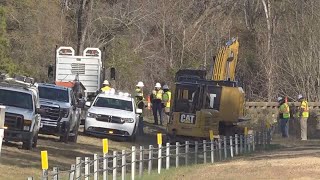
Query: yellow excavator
point(201, 104)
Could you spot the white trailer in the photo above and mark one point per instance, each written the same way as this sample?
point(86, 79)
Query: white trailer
point(88, 67)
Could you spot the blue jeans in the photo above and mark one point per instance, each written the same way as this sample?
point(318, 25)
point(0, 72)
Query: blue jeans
point(157, 108)
point(284, 124)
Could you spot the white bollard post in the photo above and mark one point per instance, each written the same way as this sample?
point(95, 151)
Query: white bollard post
point(225, 146)
point(150, 159)
point(141, 162)
point(220, 149)
point(253, 142)
point(168, 156)
point(241, 143)
point(86, 168)
point(78, 167)
point(177, 154)
point(133, 162)
point(196, 152)
point(95, 166)
point(105, 167)
point(204, 151)
point(114, 160)
point(187, 152)
point(2, 116)
point(159, 158)
point(231, 147)
point(123, 164)
point(212, 151)
point(236, 144)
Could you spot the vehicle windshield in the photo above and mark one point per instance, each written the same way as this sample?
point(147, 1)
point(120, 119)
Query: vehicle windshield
point(186, 98)
point(16, 99)
point(54, 94)
point(113, 103)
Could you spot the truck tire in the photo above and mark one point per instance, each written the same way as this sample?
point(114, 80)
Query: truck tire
point(75, 132)
point(28, 144)
point(35, 141)
point(65, 136)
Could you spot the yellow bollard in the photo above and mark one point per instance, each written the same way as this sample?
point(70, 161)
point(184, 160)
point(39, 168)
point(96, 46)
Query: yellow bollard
point(159, 138)
point(246, 130)
point(211, 135)
point(44, 160)
point(105, 146)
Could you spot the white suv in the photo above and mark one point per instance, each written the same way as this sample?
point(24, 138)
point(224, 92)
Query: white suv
point(112, 114)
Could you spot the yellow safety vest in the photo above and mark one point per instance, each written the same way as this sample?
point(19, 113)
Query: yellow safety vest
point(158, 94)
point(167, 99)
point(305, 107)
point(284, 109)
point(106, 88)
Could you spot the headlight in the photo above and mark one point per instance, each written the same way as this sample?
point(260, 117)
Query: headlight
point(92, 115)
point(27, 125)
point(65, 112)
point(127, 120)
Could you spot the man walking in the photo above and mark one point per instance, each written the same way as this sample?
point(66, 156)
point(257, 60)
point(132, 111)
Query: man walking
point(156, 99)
point(303, 115)
point(284, 115)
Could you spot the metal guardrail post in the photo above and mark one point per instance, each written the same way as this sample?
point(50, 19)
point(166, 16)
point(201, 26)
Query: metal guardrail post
point(114, 165)
point(204, 151)
point(196, 152)
point(220, 149)
point(123, 165)
point(253, 142)
point(231, 147)
point(141, 161)
point(78, 167)
point(105, 166)
point(225, 147)
point(133, 162)
point(212, 151)
point(168, 156)
point(150, 159)
point(241, 143)
point(55, 173)
point(187, 152)
point(236, 143)
point(95, 166)
point(177, 154)
point(72, 172)
point(86, 168)
point(2, 116)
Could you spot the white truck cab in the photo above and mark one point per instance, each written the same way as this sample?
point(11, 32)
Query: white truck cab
point(112, 114)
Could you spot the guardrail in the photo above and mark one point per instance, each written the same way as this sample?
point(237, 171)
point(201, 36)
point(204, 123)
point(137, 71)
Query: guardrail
point(143, 160)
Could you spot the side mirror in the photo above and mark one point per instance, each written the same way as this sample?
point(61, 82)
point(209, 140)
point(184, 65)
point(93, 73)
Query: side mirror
point(40, 111)
point(113, 73)
point(139, 111)
point(88, 104)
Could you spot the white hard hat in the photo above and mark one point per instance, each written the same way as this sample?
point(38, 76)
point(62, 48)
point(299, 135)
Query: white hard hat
point(105, 82)
point(165, 87)
point(140, 84)
point(158, 85)
point(300, 96)
point(280, 98)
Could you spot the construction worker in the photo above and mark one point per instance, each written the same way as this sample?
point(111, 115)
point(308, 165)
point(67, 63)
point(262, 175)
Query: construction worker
point(303, 114)
point(141, 105)
point(284, 115)
point(139, 86)
point(106, 86)
point(156, 99)
point(166, 99)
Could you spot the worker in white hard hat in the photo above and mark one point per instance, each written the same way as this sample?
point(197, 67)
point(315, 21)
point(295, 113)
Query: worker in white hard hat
point(303, 115)
point(106, 86)
point(166, 99)
point(140, 103)
point(284, 116)
point(156, 99)
point(139, 88)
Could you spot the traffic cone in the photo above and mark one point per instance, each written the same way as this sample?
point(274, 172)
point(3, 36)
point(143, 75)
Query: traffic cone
point(149, 104)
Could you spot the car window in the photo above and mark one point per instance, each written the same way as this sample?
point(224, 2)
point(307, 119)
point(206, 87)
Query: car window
point(113, 103)
point(54, 94)
point(16, 99)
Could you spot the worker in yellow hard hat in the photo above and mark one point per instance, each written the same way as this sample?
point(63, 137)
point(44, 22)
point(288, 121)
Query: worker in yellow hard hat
point(106, 86)
point(303, 115)
point(166, 99)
